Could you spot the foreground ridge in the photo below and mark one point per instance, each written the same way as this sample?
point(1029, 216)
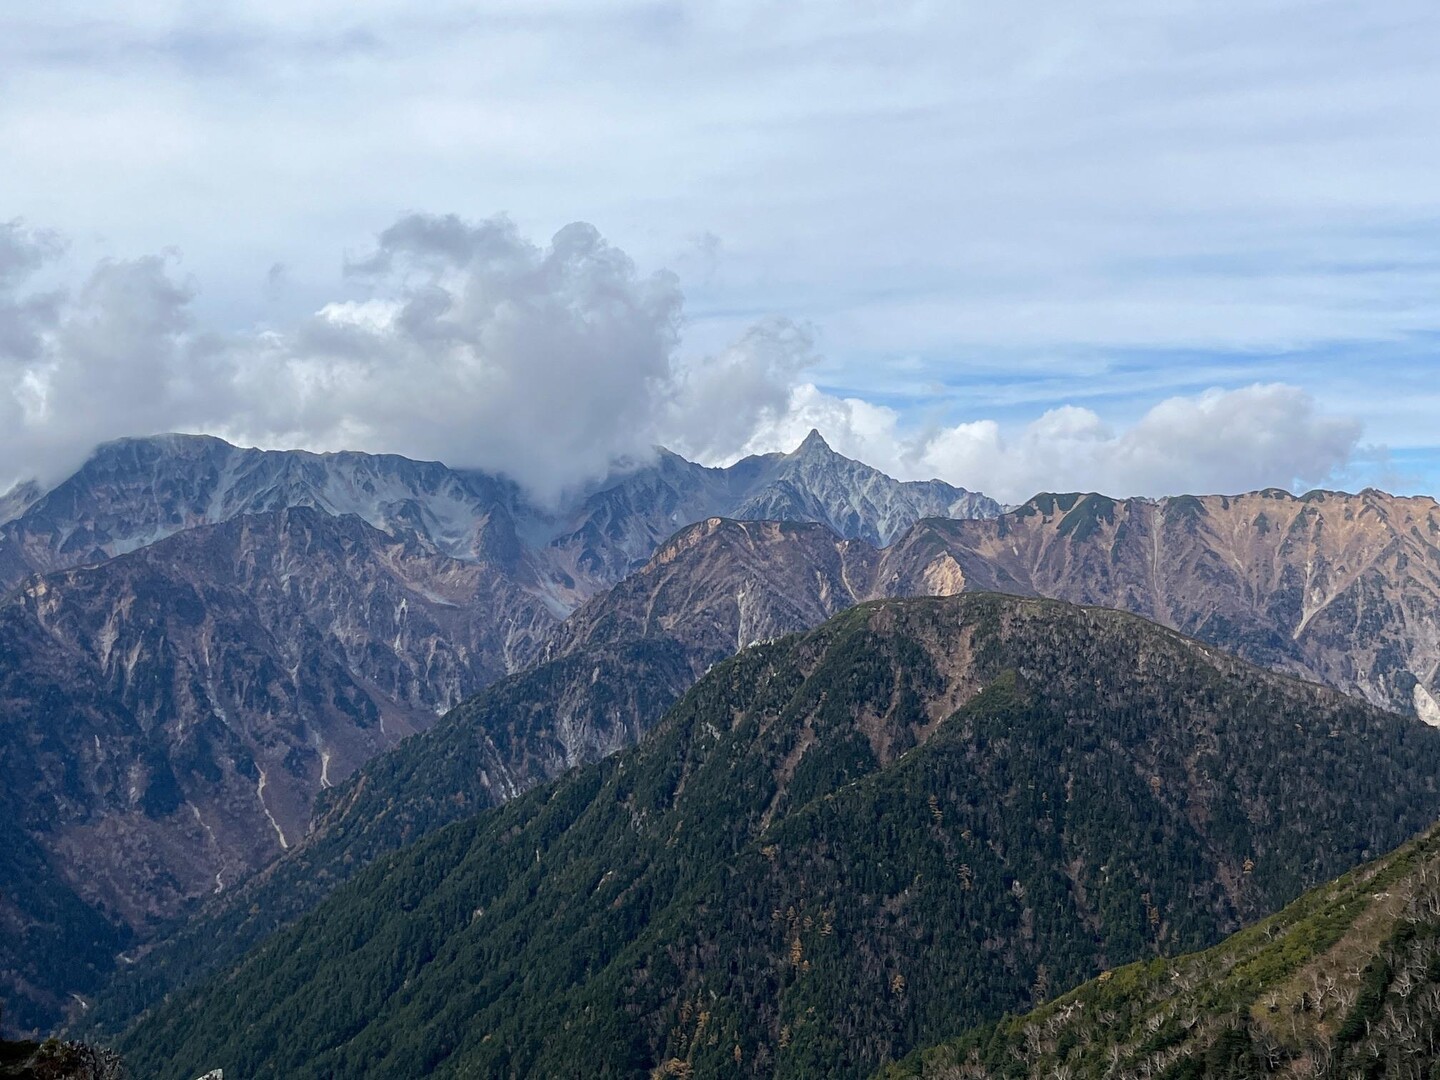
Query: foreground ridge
point(837, 847)
point(1343, 982)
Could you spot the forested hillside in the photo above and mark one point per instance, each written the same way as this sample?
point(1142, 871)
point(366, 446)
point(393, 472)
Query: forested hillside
point(520, 731)
point(836, 848)
point(1344, 982)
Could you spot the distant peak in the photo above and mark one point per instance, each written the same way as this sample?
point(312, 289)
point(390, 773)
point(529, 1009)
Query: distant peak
point(814, 444)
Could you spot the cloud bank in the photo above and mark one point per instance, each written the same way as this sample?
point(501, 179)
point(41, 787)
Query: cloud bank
point(463, 342)
point(466, 342)
point(1219, 441)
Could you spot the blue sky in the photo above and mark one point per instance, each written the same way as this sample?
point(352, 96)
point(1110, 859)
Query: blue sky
point(1003, 236)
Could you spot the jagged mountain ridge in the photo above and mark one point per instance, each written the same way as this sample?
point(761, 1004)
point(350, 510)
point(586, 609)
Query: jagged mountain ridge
point(720, 585)
point(1059, 789)
point(135, 491)
point(1342, 589)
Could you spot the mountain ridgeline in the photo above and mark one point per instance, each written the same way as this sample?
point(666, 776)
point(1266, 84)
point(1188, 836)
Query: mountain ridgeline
point(1341, 589)
point(198, 640)
point(836, 848)
point(1344, 982)
point(134, 492)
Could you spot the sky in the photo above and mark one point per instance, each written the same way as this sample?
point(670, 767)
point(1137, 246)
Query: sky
point(1142, 248)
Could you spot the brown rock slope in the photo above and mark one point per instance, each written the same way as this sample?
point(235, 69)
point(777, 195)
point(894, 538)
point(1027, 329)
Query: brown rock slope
point(1344, 589)
point(1341, 588)
point(167, 719)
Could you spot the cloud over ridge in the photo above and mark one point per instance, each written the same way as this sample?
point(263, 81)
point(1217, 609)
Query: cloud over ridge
point(467, 342)
point(1218, 441)
point(464, 342)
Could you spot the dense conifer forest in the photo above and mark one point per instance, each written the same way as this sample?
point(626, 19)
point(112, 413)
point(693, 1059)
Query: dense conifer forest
point(1345, 982)
point(837, 848)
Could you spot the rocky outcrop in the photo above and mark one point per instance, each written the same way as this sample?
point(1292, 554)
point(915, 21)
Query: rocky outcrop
point(721, 585)
point(1343, 589)
point(171, 715)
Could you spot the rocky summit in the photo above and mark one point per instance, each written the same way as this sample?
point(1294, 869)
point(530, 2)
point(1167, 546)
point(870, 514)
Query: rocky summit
point(196, 640)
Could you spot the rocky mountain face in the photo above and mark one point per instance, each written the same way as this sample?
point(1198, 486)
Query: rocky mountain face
point(217, 635)
point(858, 502)
point(720, 585)
point(836, 848)
point(136, 491)
point(53, 1060)
point(203, 605)
point(1342, 589)
point(615, 530)
point(169, 716)
point(1343, 982)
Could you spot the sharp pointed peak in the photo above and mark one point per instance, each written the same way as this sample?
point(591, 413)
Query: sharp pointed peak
point(814, 443)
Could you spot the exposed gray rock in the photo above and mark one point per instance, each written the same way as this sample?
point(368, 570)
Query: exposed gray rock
point(134, 492)
point(197, 639)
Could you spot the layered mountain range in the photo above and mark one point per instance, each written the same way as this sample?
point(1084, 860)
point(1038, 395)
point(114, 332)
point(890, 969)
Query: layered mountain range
point(202, 641)
point(199, 639)
point(836, 848)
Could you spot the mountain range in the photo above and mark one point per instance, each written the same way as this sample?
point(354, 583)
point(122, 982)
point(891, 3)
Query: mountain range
point(836, 848)
point(1343, 589)
point(133, 492)
point(204, 646)
point(199, 639)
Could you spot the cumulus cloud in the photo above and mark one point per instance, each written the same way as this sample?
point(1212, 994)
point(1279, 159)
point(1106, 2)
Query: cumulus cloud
point(720, 403)
point(464, 342)
point(1221, 440)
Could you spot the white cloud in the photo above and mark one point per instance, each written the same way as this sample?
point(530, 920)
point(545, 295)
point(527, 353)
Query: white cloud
point(467, 343)
point(471, 345)
point(1264, 435)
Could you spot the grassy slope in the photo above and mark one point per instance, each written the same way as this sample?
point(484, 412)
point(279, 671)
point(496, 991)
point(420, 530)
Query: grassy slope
point(1345, 981)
